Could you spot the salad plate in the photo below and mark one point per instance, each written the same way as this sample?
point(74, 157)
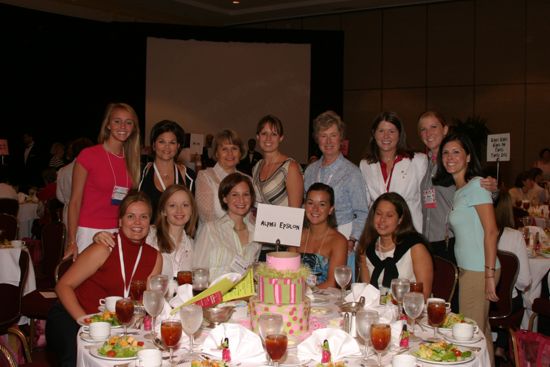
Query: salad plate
point(86, 320)
point(443, 353)
point(450, 320)
point(94, 351)
point(119, 348)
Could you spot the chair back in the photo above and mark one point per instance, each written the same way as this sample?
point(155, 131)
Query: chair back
point(9, 206)
point(445, 278)
point(62, 267)
point(8, 226)
point(10, 309)
point(530, 349)
point(6, 358)
point(509, 267)
point(53, 244)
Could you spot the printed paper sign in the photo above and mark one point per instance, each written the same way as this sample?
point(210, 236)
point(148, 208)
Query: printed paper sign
point(196, 143)
point(274, 222)
point(498, 147)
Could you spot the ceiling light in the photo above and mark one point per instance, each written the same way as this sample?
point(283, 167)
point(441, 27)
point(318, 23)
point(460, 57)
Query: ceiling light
point(236, 2)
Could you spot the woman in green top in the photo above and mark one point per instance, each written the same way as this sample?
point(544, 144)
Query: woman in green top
point(473, 221)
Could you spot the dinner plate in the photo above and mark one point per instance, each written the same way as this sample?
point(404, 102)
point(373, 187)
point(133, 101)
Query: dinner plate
point(81, 322)
point(318, 299)
point(320, 310)
point(94, 352)
point(449, 363)
point(547, 255)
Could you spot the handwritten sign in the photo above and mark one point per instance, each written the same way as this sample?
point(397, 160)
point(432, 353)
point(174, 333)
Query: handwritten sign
point(498, 147)
point(281, 223)
point(196, 143)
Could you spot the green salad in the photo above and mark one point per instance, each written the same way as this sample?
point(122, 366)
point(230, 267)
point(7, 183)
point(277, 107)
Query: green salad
point(442, 352)
point(105, 316)
point(121, 347)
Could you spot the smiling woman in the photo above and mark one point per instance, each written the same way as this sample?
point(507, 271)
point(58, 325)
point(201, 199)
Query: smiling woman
point(102, 176)
point(100, 272)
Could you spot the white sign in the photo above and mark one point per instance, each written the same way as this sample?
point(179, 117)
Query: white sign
point(196, 143)
point(498, 147)
point(274, 222)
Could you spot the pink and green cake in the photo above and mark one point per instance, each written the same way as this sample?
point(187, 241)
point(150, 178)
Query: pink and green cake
point(281, 289)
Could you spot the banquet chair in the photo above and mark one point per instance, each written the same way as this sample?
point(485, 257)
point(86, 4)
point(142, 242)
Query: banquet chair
point(6, 359)
point(8, 225)
point(9, 206)
point(501, 314)
point(541, 306)
point(10, 311)
point(53, 244)
point(445, 278)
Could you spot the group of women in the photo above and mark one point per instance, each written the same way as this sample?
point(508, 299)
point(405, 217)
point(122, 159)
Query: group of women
point(393, 181)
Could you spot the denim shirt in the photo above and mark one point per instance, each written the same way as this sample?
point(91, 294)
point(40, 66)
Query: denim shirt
point(350, 194)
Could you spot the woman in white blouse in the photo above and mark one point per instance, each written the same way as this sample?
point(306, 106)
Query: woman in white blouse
point(226, 245)
point(173, 232)
point(389, 166)
point(228, 150)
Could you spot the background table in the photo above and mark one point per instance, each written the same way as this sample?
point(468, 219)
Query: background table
point(25, 217)
point(539, 266)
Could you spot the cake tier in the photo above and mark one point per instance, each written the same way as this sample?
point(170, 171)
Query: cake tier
point(283, 261)
point(281, 291)
point(295, 317)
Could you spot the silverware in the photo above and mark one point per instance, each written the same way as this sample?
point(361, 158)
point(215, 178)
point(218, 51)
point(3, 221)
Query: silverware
point(159, 344)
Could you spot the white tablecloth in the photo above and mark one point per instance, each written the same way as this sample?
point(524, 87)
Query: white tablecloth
point(26, 215)
point(85, 359)
point(538, 266)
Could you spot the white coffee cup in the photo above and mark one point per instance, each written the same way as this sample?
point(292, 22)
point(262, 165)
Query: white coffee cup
point(462, 331)
point(149, 358)
point(99, 331)
point(403, 360)
point(109, 302)
point(17, 243)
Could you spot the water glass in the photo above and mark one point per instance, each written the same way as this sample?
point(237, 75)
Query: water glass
point(270, 323)
point(342, 275)
point(364, 320)
point(413, 304)
point(275, 345)
point(200, 280)
point(159, 282)
point(399, 287)
point(191, 317)
point(153, 301)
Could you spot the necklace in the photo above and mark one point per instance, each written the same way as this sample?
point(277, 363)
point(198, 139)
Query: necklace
point(322, 241)
point(240, 229)
point(109, 151)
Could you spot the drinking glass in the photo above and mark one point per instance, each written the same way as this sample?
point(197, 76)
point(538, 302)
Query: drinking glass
point(342, 274)
point(413, 303)
point(124, 309)
point(191, 317)
point(153, 301)
point(137, 287)
point(399, 287)
point(417, 287)
point(184, 277)
point(270, 323)
point(364, 320)
point(170, 332)
point(380, 336)
point(159, 282)
point(200, 280)
point(436, 313)
point(275, 345)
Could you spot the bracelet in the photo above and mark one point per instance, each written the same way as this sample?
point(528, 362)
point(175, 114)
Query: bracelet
point(489, 268)
point(489, 276)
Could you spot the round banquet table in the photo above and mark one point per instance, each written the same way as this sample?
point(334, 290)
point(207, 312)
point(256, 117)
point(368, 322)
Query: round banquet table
point(329, 313)
point(538, 266)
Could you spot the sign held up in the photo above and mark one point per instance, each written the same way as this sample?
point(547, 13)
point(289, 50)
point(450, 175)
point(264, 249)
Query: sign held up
point(498, 147)
point(282, 223)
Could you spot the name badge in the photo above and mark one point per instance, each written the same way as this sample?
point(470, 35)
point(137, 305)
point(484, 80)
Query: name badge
point(428, 197)
point(239, 265)
point(119, 193)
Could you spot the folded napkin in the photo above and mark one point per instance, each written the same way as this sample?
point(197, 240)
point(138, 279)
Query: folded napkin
point(10, 272)
point(245, 346)
point(183, 294)
point(341, 345)
point(371, 294)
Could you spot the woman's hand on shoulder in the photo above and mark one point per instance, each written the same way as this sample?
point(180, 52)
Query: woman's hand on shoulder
point(489, 183)
point(105, 238)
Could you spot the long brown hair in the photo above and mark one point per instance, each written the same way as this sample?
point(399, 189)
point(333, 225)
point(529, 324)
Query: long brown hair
point(373, 151)
point(131, 145)
point(405, 226)
point(164, 241)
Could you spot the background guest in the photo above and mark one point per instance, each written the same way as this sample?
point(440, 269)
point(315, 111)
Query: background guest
point(57, 152)
point(544, 163)
point(250, 159)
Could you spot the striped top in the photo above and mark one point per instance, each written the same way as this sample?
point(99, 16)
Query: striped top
point(272, 190)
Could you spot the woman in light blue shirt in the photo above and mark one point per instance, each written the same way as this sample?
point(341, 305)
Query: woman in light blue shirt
point(473, 221)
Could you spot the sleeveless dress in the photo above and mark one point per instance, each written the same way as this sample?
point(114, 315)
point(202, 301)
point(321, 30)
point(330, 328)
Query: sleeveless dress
point(272, 190)
point(318, 264)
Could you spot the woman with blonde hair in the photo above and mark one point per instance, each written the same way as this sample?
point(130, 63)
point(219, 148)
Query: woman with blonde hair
point(102, 176)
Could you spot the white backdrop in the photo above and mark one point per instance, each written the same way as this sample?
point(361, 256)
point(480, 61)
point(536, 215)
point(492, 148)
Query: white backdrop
point(209, 86)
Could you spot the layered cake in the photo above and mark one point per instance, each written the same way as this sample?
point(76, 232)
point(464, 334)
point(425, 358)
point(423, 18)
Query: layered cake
point(281, 289)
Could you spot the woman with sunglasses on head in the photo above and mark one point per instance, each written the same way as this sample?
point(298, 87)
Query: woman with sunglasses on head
point(102, 176)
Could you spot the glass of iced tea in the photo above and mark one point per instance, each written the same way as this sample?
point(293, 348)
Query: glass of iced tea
point(200, 280)
point(124, 309)
point(170, 332)
point(137, 287)
point(184, 277)
point(417, 287)
point(437, 310)
point(275, 345)
point(380, 336)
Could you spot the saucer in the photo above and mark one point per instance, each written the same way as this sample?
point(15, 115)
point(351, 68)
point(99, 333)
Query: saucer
point(87, 338)
point(476, 338)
